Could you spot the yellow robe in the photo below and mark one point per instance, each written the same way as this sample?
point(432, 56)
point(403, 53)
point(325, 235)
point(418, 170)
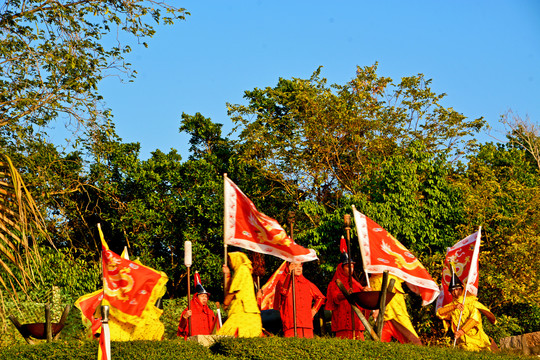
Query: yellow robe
point(471, 322)
point(244, 317)
point(396, 309)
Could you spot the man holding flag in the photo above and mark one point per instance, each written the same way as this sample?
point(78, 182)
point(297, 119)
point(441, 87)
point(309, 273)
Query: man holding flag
point(244, 319)
point(382, 252)
point(461, 310)
point(307, 299)
point(467, 311)
point(342, 313)
point(203, 319)
point(247, 228)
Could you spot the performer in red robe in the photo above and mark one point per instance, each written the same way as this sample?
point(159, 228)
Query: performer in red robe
point(342, 313)
point(203, 319)
point(308, 301)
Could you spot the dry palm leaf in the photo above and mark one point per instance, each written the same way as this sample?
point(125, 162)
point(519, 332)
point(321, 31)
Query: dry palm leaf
point(22, 228)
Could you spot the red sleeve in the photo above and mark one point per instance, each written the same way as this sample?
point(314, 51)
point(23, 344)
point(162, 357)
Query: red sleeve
point(278, 298)
point(317, 296)
point(285, 285)
point(316, 293)
point(182, 325)
point(333, 293)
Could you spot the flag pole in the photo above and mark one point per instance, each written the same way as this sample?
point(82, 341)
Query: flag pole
point(363, 256)
point(105, 337)
point(474, 260)
point(291, 224)
point(105, 343)
point(225, 229)
point(218, 310)
point(347, 220)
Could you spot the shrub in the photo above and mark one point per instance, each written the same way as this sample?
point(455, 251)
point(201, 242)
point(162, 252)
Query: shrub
point(75, 350)
point(256, 348)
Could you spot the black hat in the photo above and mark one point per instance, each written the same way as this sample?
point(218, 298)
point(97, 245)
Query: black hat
point(455, 283)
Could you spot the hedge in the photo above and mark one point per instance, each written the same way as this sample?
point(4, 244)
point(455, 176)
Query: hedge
point(134, 350)
point(257, 348)
point(339, 349)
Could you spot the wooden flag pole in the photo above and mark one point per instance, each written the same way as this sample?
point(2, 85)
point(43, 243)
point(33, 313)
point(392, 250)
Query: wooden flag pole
point(347, 220)
point(291, 224)
point(105, 332)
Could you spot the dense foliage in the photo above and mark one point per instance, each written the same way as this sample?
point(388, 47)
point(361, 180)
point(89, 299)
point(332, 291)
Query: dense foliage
point(53, 56)
point(303, 146)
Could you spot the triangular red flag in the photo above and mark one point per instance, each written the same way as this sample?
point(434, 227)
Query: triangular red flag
point(247, 228)
point(464, 257)
point(383, 252)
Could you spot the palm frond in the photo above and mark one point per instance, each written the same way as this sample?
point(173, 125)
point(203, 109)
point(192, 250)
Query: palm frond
point(22, 229)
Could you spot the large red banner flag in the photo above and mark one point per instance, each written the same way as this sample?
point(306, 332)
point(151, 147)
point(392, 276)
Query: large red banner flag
point(383, 252)
point(128, 286)
point(269, 289)
point(463, 257)
point(88, 304)
point(247, 228)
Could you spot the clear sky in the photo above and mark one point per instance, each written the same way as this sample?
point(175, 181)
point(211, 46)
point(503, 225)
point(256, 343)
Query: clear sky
point(485, 55)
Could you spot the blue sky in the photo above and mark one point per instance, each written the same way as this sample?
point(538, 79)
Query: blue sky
point(485, 55)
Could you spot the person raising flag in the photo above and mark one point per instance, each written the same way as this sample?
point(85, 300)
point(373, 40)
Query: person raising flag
point(383, 252)
point(244, 318)
point(342, 315)
point(462, 311)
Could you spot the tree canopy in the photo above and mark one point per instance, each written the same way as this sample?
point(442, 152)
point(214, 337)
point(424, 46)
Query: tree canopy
point(55, 53)
point(53, 56)
point(388, 147)
point(322, 141)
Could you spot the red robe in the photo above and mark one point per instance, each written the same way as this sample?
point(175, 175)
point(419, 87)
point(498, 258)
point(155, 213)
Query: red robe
point(340, 307)
point(308, 297)
point(203, 320)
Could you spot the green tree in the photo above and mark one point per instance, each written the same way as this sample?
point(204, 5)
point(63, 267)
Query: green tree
point(54, 54)
point(413, 196)
point(321, 141)
point(502, 193)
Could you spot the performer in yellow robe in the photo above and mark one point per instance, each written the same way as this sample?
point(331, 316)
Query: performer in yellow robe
point(244, 319)
point(471, 335)
point(397, 323)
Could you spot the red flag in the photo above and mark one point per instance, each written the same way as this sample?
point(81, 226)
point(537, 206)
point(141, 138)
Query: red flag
point(463, 256)
point(247, 228)
point(129, 286)
point(269, 289)
point(88, 304)
point(383, 252)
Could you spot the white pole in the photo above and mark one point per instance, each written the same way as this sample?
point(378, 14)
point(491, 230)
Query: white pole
point(357, 221)
point(474, 261)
